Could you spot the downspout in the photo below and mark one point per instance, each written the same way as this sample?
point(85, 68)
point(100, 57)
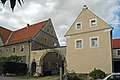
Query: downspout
point(112, 51)
point(29, 55)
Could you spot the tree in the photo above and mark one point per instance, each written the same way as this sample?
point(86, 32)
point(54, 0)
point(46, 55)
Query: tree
point(12, 3)
point(14, 58)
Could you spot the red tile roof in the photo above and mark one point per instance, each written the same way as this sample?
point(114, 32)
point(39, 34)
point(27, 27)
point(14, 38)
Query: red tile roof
point(4, 33)
point(116, 43)
point(26, 33)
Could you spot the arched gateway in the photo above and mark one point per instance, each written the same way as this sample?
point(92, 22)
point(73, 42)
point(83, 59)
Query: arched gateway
point(48, 62)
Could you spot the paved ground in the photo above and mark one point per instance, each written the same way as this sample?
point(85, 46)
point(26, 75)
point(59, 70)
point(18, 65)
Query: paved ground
point(15, 78)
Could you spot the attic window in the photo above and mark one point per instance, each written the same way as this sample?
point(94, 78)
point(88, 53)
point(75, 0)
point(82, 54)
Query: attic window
point(45, 40)
point(51, 32)
point(47, 30)
point(93, 22)
point(79, 25)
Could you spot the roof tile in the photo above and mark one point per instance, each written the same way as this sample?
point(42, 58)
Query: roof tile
point(4, 33)
point(26, 33)
point(116, 43)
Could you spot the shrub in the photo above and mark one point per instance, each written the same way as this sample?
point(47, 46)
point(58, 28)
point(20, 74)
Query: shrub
point(15, 68)
point(83, 76)
point(97, 74)
point(73, 76)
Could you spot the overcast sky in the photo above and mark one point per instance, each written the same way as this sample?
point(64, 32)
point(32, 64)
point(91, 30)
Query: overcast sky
point(62, 12)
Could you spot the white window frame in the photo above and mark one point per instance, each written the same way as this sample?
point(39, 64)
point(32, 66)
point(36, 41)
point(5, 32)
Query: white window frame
point(12, 49)
point(76, 43)
point(21, 48)
point(90, 22)
point(7, 50)
point(97, 42)
point(117, 52)
point(76, 25)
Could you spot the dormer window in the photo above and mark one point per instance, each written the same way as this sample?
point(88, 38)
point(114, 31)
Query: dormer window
point(78, 25)
point(93, 22)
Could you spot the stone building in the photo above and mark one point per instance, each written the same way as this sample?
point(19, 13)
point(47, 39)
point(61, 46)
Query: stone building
point(22, 42)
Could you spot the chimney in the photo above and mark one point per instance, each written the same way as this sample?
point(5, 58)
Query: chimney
point(28, 25)
point(85, 7)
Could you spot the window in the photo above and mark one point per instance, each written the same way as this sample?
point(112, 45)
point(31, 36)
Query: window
point(94, 42)
point(21, 48)
point(54, 44)
point(79, 44)
point(45, 40)
point(118, 52)
point(47, 30)
point(93, 22)
point(79, 25)
point(13, 49)
point(51, 32)
point(7, 50)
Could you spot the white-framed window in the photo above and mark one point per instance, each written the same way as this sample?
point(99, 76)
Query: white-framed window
point(14, 49)
point(78, 25)
point(94, 42)
point(22, 48)
point(93, 22)
point(79, 43)
point(7, 50)
point(118, 52)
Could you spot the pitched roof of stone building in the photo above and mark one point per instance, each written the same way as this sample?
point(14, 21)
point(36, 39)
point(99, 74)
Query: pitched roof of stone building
point(4, 33)
point(23, 34)
point(116, 43)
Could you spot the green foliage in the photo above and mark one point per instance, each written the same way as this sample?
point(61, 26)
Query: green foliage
point(12, 58)
point(97, 74)
point(76, 76)
point(83, 76)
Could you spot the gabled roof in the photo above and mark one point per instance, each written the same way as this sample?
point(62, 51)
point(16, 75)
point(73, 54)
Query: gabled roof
point(116, 43)
point(84, 17)
point(26, 33)
point(4, 33)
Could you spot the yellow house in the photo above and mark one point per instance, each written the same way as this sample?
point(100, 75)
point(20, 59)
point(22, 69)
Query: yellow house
point(89, 44)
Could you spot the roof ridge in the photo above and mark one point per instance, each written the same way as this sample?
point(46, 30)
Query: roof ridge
point(5, 28)
point(116, 39)
point(26, 33)
point(31, 25)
